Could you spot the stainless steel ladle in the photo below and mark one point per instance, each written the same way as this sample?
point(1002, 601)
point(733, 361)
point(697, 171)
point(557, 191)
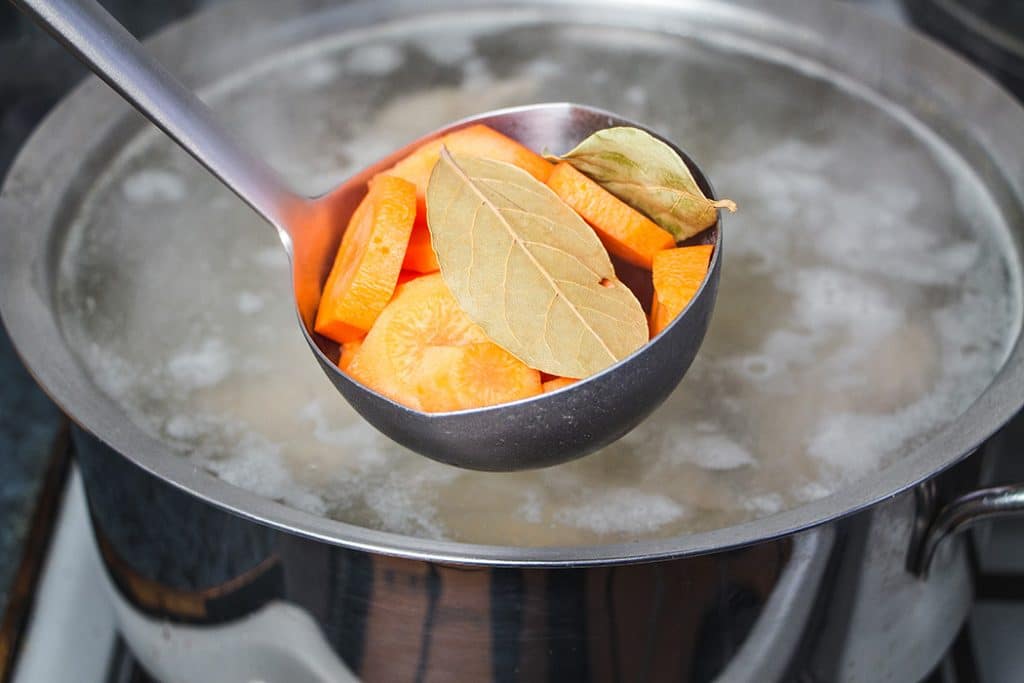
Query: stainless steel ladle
point(536, 432)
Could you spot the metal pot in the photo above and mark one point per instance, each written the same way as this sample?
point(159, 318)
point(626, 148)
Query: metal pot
point(216, 582)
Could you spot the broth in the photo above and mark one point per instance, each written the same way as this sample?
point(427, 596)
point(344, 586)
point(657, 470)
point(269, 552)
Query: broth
point(864, 301)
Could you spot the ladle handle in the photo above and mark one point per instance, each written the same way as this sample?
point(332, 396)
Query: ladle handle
point(107, 48)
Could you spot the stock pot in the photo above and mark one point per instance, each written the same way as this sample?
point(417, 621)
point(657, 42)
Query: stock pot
point(213, 581)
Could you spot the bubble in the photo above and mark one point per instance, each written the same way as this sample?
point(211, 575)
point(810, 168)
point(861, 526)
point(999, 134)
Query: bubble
point(374, 59)
point(249, 303)
point(153, 185)
point(201, 366)
point(617, 510)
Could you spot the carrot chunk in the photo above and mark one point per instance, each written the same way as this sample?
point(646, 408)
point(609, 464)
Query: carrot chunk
point(557, 383)
point(625, 232)
point(472, 376)
point(477, 140)
point(419, 256)
point(368, 261)
point(678, 274)
point(406, 276)
point(348, 352)
point(425, 352)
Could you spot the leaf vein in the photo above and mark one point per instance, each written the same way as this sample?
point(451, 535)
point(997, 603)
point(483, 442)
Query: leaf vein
point(515, 238)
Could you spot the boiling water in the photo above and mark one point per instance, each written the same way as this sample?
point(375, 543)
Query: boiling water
point(863, 303)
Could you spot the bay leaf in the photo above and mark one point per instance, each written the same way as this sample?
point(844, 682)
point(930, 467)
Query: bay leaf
point(647, 174)
point(528, 270)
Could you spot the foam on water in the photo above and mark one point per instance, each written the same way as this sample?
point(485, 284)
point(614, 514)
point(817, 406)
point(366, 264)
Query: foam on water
point(257, 466)
point(317, 73)
point(199, 367)
point(865, 300)
point(374, 59)
point(711, 451)
point(271, 257)
point(622, 510)
point(249, 303)
point(153, 185)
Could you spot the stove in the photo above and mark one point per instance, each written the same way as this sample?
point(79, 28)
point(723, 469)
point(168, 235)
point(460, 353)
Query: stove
point(54, 594)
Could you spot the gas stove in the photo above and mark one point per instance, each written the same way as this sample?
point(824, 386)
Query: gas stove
point(54, 594)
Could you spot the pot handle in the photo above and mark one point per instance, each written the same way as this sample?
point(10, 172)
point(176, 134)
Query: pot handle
point(963, 513)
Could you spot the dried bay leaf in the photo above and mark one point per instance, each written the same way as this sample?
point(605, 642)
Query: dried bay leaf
point(528, 269)
point(647, 174)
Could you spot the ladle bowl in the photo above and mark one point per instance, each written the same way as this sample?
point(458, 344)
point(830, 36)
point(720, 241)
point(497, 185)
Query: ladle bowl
point(537, 432)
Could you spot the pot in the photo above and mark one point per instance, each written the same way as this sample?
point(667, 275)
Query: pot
point(214, 581)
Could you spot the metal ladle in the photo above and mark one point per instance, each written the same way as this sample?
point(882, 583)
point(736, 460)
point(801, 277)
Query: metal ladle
point(536, 432)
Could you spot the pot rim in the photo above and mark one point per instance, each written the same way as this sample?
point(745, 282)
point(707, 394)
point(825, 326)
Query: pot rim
point(41, 191)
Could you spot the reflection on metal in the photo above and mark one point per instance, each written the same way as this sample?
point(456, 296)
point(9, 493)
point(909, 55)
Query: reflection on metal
point(204, 575)
point(278, 642)
point(772, 645)
point(926, 503)
point(962, 513)
point(239, 594)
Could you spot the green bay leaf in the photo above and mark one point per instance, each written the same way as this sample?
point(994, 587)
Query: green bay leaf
point(528, 269)
point(647, 174)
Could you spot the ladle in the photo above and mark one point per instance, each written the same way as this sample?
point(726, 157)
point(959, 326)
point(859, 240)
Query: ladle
point(536, 432)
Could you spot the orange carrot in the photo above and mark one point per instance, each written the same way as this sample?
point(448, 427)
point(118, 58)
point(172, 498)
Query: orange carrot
point(348, 352)
point(419, 256)
point(678, 274)
point(368, 261)
point(424, 352)
point(625, 232)
point(477, 140)
point(406, 276)
point(557, 383)
point(472, 376)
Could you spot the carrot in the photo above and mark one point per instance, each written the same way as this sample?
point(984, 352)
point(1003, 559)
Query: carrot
point(678, 274)
point(472, 376)
point(425, 352)
point(406, 276)
point(557, 383)
point(476, 140)
point(348, 352)
point(368, 261)
point(637, 279)
point(419, 256)
point(625, 232)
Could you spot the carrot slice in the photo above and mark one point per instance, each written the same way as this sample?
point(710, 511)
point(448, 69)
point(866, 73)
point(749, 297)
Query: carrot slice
point(625, 232)
point(557, 383)
point(406, 276)
point(419, 256)
point(426, 353)
point(472, 376)
point(368, 261)
point(477, 140)
point(348, 352)
point(678, 274)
